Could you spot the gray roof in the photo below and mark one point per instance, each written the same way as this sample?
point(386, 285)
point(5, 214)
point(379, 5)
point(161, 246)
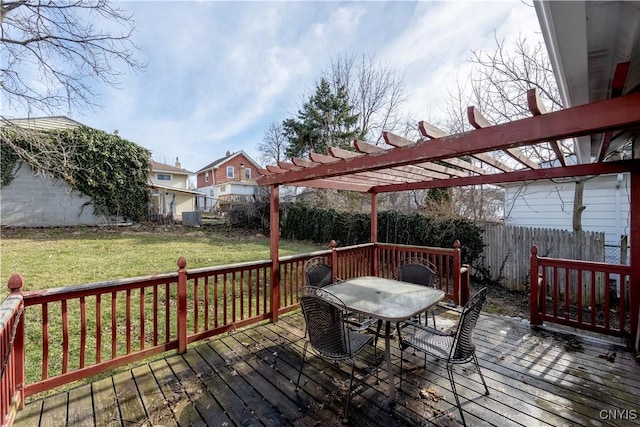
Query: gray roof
point(216, 163)
point(43, 123)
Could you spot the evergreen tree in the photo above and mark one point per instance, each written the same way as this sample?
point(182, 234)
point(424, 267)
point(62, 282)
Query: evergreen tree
point(325, 120)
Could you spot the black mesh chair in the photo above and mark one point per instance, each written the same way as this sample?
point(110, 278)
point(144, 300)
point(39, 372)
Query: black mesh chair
point(456, 348)
point(329, 336)
point(317, 272)
point(418, 271)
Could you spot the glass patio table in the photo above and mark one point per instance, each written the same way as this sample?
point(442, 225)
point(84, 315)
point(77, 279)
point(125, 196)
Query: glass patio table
point(387, 300)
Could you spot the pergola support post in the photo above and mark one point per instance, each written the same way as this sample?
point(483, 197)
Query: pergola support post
point(375, 265)
point(634, 291)
point(274, 239)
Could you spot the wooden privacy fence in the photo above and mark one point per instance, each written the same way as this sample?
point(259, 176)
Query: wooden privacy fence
point(508, 248)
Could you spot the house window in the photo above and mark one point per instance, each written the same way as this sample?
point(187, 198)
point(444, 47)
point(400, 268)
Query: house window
point(206, 177)
point(247, 173)
point(223, 189)
point(163, 177)
point(229, 171)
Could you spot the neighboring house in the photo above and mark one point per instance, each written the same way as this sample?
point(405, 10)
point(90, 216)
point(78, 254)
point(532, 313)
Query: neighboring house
point(36, 200)
point(547, 204)
point(170, 194)
point(226, 182)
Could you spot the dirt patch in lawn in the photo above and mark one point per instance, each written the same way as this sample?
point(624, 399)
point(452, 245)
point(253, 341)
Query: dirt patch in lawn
point(505, 302)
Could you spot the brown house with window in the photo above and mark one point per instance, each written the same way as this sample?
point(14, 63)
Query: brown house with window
point(227, 181)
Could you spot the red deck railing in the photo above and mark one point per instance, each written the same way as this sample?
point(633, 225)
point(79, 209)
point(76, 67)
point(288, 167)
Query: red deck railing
point(583, 294)
point(66, 334)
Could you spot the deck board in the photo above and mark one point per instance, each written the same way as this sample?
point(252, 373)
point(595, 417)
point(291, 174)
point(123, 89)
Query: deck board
point(247, 378)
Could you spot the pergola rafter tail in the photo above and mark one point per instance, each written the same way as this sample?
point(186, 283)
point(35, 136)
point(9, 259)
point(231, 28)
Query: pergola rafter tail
point(588, 119)
point(589, 169)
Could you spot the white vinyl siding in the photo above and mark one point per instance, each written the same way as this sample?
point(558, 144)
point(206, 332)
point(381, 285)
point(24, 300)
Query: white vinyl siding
point(545, 204)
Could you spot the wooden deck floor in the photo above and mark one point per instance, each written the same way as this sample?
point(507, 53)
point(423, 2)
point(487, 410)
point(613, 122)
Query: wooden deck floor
point(536, 378)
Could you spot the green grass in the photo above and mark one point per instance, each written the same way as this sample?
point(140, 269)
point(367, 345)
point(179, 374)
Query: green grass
point(49, 258)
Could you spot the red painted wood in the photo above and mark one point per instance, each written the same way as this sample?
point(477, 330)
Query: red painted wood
point(274, 229)
point(65, 337)
point(98, 328)
point(225, 317)
point(517, 176)
point(215, 302)
point(196, 305)
point(156, 307)
point(167, 313)
point(127, 320)
point(141, 318)
point(562, 300)
point(534, 296)
point(182, 305)
point(634, 239)
point(114, 325)
point(611, 114)
point(207, 323)
point(45, 341)
point(83, 331)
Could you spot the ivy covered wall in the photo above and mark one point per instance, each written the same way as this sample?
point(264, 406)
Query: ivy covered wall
point(111, 171)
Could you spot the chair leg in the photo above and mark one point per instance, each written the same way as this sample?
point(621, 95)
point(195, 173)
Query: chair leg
point(304, 353)
point(486, 389)
point(346, 406)
point(455, 391)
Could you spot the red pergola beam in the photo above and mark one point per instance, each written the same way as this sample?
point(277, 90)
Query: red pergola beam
point(518, 176)
point(588, 119)
point(617, 87)
point(537, 108)
point(478, 121)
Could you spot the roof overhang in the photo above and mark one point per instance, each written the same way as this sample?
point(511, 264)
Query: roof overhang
point(588, 41)
point(175, 190)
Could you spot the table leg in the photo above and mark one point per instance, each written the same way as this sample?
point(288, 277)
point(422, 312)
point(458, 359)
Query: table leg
point(387, 353)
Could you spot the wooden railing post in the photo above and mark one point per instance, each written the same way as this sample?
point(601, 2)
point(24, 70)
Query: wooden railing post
point(182, 305)
point(334, 260)
point(15, 284)
point(375, 264)
point(534, 297)
point(458, 293)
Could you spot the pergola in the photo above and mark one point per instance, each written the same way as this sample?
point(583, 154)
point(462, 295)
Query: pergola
point(599, 121)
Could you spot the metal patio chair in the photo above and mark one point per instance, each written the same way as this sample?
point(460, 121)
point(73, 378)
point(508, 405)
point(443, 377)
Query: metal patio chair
point(317, 272)
point(455, 348)
point(329, 335)
point(418, 271)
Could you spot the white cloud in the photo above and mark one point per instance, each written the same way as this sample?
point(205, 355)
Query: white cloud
point(220, 72)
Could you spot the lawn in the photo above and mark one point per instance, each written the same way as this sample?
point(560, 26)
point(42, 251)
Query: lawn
point(49, 258)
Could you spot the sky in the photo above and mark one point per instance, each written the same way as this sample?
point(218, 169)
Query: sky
point(219, 73)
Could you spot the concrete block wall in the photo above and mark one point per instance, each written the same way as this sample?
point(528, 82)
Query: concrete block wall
point(37, 201)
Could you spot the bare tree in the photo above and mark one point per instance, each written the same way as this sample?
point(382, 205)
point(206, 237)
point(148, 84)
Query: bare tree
point(375, 91)
point(53, 52)
point(273, 145)
point(498, 87)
